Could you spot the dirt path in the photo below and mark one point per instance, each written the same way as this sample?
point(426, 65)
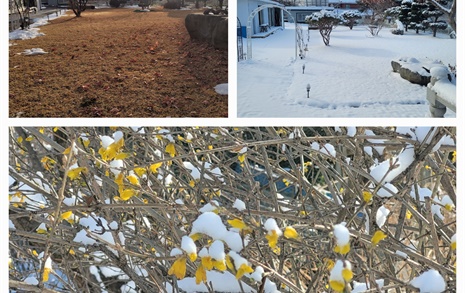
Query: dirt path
point(117, 63)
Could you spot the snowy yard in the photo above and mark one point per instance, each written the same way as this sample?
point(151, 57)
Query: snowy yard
point(352, 77)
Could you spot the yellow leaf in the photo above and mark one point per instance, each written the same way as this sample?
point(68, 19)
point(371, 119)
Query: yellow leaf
point(41, 231)
point(126, 194)
point(85, 142)
point(41, 130)
point(55, 129)
point(286, 182)
point(154, 167)
point(243, 269)
point(454, 156)
point(20, 139)
point(367, 196)
point(377, 237)
point(76, 172)
point(210, 147)
point(171, 149)
point(453, 245)
point(71, 251)
point(34, 253)
point(29, 138)
point(200, 275)
point(408, 215)
point(196, 236)
point(337, 286)
point(178, 268)
point(237, 223)
point(329, 263)
point(290, 232)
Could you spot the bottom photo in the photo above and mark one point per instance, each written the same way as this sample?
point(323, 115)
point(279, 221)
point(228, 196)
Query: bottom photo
point(232, 209)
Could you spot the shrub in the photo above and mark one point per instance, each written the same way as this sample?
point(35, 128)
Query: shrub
point(397, 31)
point(172, 5)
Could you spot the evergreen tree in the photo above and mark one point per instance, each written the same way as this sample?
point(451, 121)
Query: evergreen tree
point(417, 17)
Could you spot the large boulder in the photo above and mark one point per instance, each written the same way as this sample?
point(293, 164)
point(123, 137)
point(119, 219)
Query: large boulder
point(212, 29)
point(414, 70)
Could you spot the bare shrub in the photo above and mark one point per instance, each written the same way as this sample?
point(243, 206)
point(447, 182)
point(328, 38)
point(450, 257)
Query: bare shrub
point(107, 205)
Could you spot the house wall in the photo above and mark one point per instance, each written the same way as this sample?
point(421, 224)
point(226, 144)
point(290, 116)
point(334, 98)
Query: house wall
point(245, 7)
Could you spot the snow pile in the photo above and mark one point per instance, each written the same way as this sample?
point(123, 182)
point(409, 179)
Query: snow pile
point(222, 88)
point(33, 30)
point(362, 287)
point(429, 282)
point(443, 87)
point(389, 169)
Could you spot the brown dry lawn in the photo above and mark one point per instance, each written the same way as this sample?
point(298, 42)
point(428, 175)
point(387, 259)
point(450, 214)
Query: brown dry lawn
point(117, 63)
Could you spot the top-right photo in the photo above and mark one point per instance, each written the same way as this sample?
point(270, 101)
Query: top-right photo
point(346, 58)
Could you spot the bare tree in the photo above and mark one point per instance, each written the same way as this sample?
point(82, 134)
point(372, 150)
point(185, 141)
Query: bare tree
point(109, 208)
point(78, 6)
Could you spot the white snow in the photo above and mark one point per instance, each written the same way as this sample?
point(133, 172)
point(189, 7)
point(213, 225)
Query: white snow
point(11, 226)
point(221, 282)
point(34, 51)
point(362, 287)
point(208, 167)
point(381, 216)
point(116, 166)
point(239, 205)
point(422, 193)
point(342, 234)
point(352, 77)
point(188, 245)
point(429, 282)
point(210, 207)
point(387, 190)
point(384, 173)
point(33, 30)
point(222, 88)
point(216, 250)
point(31, 280)
point(271, 225)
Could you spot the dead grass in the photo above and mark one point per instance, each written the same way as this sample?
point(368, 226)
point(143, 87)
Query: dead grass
point(117, 63)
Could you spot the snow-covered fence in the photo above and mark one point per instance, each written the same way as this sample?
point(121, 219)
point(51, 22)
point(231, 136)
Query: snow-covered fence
point(441, 92)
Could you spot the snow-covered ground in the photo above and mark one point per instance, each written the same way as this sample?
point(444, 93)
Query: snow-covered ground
point(352, 77)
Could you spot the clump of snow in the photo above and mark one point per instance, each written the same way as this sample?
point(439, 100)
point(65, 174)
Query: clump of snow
point(351, 131)
point(116, 166)
point(34, 51)
point(422, 193)
point(385, 172)
point(209, 224)
point(222, 89)
point(342, 234)
point(271, 225)
point(175, 252)
point(210, 207)
point(381, 216)
point(188, 245)
point(31, 281)
point(208, 167)
point(239, 205)
point(220, 281)
point(327, 149)
point(11, 226)
point(362, 287)
point(387, 190)
point(216, 250)
point(429, 282)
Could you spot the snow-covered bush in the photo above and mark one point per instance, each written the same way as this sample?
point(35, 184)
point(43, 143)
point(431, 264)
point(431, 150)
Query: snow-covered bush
point(325, 21)
point(231, 209)
point(350, 17)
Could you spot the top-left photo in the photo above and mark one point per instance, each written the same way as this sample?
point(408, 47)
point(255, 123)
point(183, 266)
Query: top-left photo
point(118, 58)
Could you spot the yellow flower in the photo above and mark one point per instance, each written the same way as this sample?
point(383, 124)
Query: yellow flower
point(46, 274)
point(337, 285)
point(122, 156)
point(241, 157)
point(126, 194)
point(210, 147)
point(229, 263)
point(76, 172)
point(178, 268)
point(408, 215)
point(193, 256)
point(207, 262)
point(192, 183)
point(367, 196)
point(243, 269)
point(171, 149)
point(154, 167)
point(220, 265)
point(272, 238)
point(286, 182)
point(133, 179)
point(342, 249)
point(66, 215)
point(377, 237)
point(329, 263)
point(42, 229)
point(47, 162)
point(237, 223)
point(140, 171)
point(347, 274)
point(290, 232)
point(200, 275)
point(454, 156)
